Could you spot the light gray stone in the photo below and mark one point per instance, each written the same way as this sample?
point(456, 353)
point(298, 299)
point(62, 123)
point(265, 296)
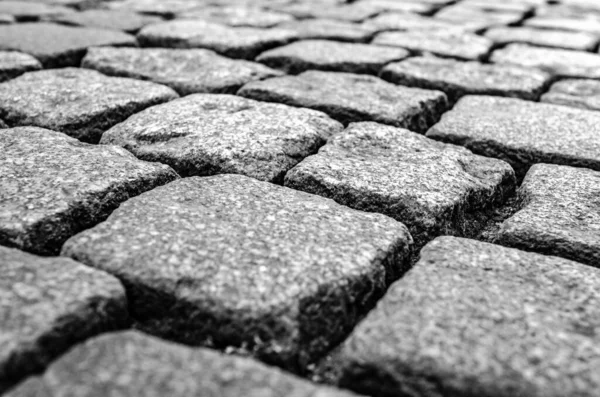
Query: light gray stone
point(81, 103)
point(460, 13)
point(164, 8)
point(408, 21)
point(329, 29)
point(511, 6)
point(54, 186)
point(232, 261)
point(352, 12)
point(351, 97)
point(588, 25)
point(543, 37)
point(477, 319)
point(31, 11)
point(13, 64)
point(239, 16)
point(406, 7)
point(106, 19)
point(577, 93)
point(6, 19)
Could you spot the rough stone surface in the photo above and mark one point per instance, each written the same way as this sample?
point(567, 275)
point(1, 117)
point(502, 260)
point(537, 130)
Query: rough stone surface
point(442, 43)
point(241, 16)
point(54, 186)
point(107, 19)
point(329, 29)
point(406, 7)
point(464, 14)
point(233, 42)
point(351, 97)
point(542, 37)
point(214, 134)
point(477, 319)
point(559, 62)
point(430, 186)
point(522, 133)
point(31, 11)
point(589, 25)
point(186, 71)
point(577, 93)
point(353, 12)
point(81, 103)
point(57, 45)
point(407, 21)
point(330, 55)
point(457, 78)
point(164, 8)
point(47, 305)
point(560, 214)
point(232, 261)
point(130, 363)
point(13, 64)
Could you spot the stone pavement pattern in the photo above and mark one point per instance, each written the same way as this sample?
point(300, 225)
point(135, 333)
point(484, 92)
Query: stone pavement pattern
point(259, 197)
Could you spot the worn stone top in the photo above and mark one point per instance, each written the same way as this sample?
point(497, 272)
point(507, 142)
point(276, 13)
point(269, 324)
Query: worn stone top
point(13, 64)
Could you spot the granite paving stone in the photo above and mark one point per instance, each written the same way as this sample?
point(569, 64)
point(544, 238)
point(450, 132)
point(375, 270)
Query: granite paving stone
point(187, 71)
point(457, 78)
point(543, 37)
point(400, 6)
point(459, 13)
point(579, 93)
point(352, 12)
point(130, 363)
point(3, 124)
point(31, 11)
point(331, 55)
point(408, 21)
point(106, 19)
point(514, 6)
point(559, 215)
point(206, 134)
point(54, 186)
point(589, 25)
point(329, 29)
point(49, 304)
point(163, 8)
point(14, 63)
point(477, 319)
point(229, 260)
point(58, 45)
point(451, 44)
point(79, 102)
point(241, 16)
point(233, 42)
point(523, 133)
point(351, 97)
point(430, 186)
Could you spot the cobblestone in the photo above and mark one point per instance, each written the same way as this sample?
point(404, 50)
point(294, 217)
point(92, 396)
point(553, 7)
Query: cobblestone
point(546, 38)
point(577, 93)
point(329, 29)
point(31, 11)
point(106, 19)
point(13, 64)
point(239, 16)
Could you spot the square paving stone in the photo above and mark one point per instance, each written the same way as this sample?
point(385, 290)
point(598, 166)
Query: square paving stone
point(522, 133)
point(107, 19)
point(232, 261)
point(54, 186)
point(450, 44)
point(233, 42)
point(351, 97)
point(13, 64)
point(545, 38)
point(407, 21)
point(31, 11)
point(574, 92)
point(242, 16)
point(57, 45)
point(560, 214)
point(477, 319)
point(185, 71)
point(130, 363)
point(331, 55)
point(214, 134)
point(81, 103)
point(433, 188)
point(458, 78)
point(329, 29)
point(559, 62)
point(49, 304)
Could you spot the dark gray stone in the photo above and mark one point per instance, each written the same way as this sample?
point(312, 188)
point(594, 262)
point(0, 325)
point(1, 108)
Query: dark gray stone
point(457, 78)
point(351, 97)
point(407, 21)
point(13, 64)
point(57, 45)
point(233, 42)
point(453, 44)
point(81, 103)
point(31, 11)
point(331, 55)
point(560, 214)
point(186, 71)
point(54, 186)
point(49, 304)
point(232, 261)
point(577, 93)
point(433, 188)
point(107, 19)
point(239, 16)
point(543, 37)
point(215, 134)
point(329, 29)
point(588, 25)
point(559, 62)
point(477, 319)
point(130, 363)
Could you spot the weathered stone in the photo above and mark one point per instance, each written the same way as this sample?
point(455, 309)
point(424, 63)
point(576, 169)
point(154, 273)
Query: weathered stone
point(329, 29)
point(477, 319)
point(231, 41)
point(54, 186)
point(49, 304)
point(351, 97)
point(522, 133)
point(164, 8)
point(560, 214)
point(353, 12)
point(232, 261)
point(460, 14)
point(107, 19)
point(214, 134)
point(331, 55)
point(31, 11)
point(443, 43)
point(133, 364)
point(408, 21)
point(543, 37)
point(457, 78)
point(511, 6)
point(81, 103)
point(399, 6)
point(240, 16)
point(432, 187)
point(57, 45)
point(589, 25)
point(13, 64)
point(577, 93)
point(186, 71)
